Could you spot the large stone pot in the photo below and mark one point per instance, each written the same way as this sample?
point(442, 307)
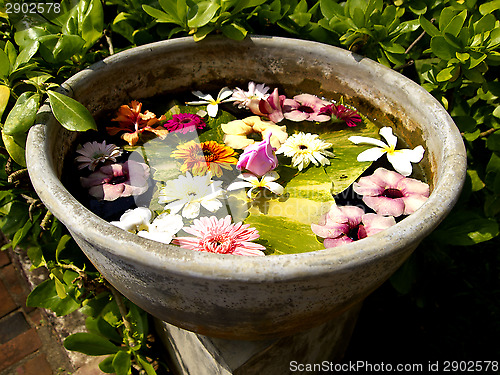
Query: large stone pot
point(239, 297)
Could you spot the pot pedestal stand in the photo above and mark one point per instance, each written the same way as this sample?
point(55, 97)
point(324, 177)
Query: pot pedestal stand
point(192, 353)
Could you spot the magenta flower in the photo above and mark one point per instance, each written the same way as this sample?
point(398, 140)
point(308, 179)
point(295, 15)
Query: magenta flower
point(184, 123)
point(272, 107)
point(258, 158)
point(389, 193)
point(345, 224)
point(221, 237)
point(305, 107)
point(114, 181)
point(350, 116)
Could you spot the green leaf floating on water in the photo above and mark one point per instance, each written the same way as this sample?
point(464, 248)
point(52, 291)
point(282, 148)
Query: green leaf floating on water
point(309, 193)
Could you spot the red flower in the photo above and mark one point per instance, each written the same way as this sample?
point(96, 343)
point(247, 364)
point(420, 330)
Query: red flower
point(342, 113)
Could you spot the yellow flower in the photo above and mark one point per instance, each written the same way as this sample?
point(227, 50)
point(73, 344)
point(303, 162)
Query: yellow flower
point(199, 158)
point(236, 132)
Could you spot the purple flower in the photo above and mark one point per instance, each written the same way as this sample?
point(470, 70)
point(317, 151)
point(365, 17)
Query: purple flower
point(258, 158)
point(342, 113)
point(114, 181)
point(346, 224)
point(184, 123)
point(389, 193)
point(272, 107)
point(305, 107)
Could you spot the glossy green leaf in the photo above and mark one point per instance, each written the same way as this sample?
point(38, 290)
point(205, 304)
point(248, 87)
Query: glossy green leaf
point(61, 245)
point(45, 295)
point(139, 321)
point(90, 344)
point(26, 54)
point(100, 327)
point(70, 113)
point(446, 74)
point(428, 26)
point(90, 21)
point(4, 64)
point(456, 24)
point(442, 49)
point(446, 16)
point(176, 10)
point(465, 228)
point(4, 99)
point(244, 4)
point(234, 31)
point(122, 363)
point(418, 7)
point(146, 365)
point(330, 9)
point(159, 15)
point(496, 111)
point(202, 13)
point(59, 48)
point(22, 115)
point(106, 365)
point(486, 23)
point(489, 7)
point(16, 147)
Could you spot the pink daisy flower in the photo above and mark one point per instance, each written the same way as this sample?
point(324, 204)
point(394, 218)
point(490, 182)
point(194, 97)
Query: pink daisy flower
point(350, 116)
point(389, 193)
point(221, 237)
point(184, 123)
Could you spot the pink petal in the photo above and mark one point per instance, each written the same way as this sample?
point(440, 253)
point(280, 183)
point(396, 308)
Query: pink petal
point(376, 223)
point(385, 206)
point(334, 242)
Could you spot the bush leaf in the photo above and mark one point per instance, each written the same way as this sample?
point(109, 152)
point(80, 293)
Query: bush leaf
point(70, 113)
point(90, 344)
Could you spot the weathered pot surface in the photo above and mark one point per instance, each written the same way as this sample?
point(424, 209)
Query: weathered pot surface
point(250, 297)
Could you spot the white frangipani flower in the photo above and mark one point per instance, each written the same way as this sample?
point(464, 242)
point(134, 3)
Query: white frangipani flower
point(400, 159)
point(306, 148)
point(163, 228)
point(134, 220)
point(189, 193)
point(243, 98)
point(253, 182)
point(213, 104)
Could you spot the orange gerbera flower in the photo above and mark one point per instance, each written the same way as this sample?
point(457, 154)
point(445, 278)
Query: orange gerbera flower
point(134, 123)
point(199, 158)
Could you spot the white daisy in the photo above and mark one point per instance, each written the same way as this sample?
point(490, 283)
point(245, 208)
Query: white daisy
point(213, 104)
point(305, 149)
point(253, 182)
point(400, 159)
point(188, 193)
point(243, 98)
point(163, 228)
point(94, 153)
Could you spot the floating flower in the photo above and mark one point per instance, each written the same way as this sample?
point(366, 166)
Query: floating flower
point(346, 224)
point(250, 99)
point(350, 116)
point(163, 228)
point(253, 182)
point(134, 220)
point(271, 107)
point(237, 131)
point(258, 158)
point(93, 153)
point(199, 158)
point(389, 193)
point(189, 193)
point(305, 107)
point(212, 104)
point(115, 181)
point(134, 123)
point(184, 123)
point(221, 237)
point(306, 148)
point(400, 159)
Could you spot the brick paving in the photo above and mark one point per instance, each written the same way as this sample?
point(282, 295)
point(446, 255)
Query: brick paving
point(29, 343)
